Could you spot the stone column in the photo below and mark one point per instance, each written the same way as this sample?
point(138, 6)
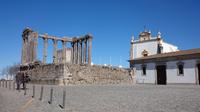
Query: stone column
point(45, 40)
point(75, 52)
point(55, 51)
point(77, 55)
point(35, 45)
point(85, 52)
point(26, 50)
point(72, 53)
point(81, 51)
point(29, 47)
point(89, 50)
point(63, 52)
point(23, 60)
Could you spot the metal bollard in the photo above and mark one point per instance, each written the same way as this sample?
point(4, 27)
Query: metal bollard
point(14, 85)
point(19, 88)
point(3, 83)
point(33, 91)
point(51, 96)
point(64, 96)
point(25, 91)
point(9, 84)
point(41, 93)
point(6, 83)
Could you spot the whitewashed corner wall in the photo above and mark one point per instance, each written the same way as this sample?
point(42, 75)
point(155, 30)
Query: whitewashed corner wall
point(150, 74)
point(189, 75)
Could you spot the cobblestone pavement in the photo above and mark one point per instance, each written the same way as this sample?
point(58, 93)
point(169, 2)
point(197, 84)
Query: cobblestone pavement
point(112, 98)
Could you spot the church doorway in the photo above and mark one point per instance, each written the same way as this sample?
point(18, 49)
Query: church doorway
point(198, 67)
point(161, 74)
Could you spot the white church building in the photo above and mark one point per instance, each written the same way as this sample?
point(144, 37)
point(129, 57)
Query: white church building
point(157, 62)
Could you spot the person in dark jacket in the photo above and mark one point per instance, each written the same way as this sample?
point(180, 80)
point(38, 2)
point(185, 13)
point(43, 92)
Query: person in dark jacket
point(18, 80)
point(22, 78)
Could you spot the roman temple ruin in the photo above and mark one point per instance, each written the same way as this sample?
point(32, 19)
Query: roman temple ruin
point(70, 65)
point(80, 48)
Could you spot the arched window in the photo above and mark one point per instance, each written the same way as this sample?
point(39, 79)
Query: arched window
point(180, 67)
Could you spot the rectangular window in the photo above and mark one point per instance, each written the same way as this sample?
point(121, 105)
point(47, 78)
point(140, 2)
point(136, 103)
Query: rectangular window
point(180, 69)
point(143, 70)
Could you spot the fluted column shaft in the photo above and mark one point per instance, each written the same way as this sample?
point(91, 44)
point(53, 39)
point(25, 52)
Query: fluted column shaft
point(55, 51)
point(45, 40)
point(63, 52)
point(30, 49)
point(35, 46)
point(75, 52)
point(85, 51)
point(89, 51)
point(23, 51)
point(81, 53)
point(72, 53)
point(77, 56)
point(26, 50)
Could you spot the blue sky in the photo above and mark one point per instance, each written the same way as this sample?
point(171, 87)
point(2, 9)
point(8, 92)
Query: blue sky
point(111, 22)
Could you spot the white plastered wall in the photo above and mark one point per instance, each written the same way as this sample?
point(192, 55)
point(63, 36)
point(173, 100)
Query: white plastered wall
point(150, 46)
point(189, 75)
point(169, 47)
point(150, 74)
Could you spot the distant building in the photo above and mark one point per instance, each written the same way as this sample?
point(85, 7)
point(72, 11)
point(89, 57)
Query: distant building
point(157, 62)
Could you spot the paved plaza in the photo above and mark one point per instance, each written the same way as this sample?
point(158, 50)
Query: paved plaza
point(112, 98)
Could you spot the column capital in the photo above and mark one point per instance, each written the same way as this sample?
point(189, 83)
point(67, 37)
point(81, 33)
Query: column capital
point(80, 42)
point(35, 34)
point(26, 32)
point(45, 36)
point(89, 36)
point(64, 40)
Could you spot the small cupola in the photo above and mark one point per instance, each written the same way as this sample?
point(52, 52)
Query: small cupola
point(145, 35)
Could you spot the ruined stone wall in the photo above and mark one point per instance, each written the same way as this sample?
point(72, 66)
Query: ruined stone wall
point(46, 74)
point(78, 74)
point(98, 75)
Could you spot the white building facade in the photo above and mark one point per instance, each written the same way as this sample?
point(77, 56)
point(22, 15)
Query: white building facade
point(181, 67)
point(148, 45)
point(162, 63)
